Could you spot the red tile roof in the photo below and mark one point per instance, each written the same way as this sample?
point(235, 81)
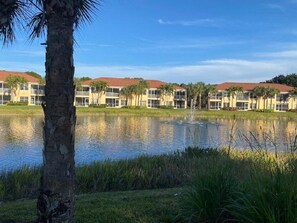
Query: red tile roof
point(251, 86)
point(4, 74)
point(123, 82)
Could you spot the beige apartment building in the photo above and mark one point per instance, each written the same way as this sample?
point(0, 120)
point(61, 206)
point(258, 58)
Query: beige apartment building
point(112, 97)
point(248, 100)
point(33, 93)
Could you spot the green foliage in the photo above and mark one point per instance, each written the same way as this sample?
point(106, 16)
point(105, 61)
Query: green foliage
point(263, 110)
point(230, 109)
point(34, 74)
point(11, 103)
point(289, 79)
point(98, 106)
point(207, 198)
point(166, 107)
point(112, 207)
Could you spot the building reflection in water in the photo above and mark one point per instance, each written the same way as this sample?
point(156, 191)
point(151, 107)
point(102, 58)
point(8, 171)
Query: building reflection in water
point(101, 137)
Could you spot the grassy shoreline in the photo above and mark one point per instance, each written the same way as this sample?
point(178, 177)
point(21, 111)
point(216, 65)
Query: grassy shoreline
point(37, 110)
point(196, 185)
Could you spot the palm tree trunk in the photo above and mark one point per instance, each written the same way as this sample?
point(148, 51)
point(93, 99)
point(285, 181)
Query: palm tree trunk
point(200, 100)
point(56, 199)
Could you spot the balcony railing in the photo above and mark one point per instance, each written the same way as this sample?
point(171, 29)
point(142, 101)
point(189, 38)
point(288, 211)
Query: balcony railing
point(179, 97)
point(37, 91)
point(82, 93)
point(112, 94)
point(154, 96)
point(243, 98)
point(5, 90)
point(216, 97)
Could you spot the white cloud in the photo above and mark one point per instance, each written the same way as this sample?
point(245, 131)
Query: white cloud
point(197, 22)
point(281, 54)
point(209, 71)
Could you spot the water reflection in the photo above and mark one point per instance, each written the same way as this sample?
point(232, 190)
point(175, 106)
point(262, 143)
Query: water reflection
point(100, 137)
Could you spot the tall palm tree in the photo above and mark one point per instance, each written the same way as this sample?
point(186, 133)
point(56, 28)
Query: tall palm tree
point(234, 90)
point(58, 18)
point(140, 89)
point(270, 92)
point(166, 90)
point(293, 94)
point(259, 92)
point(210, 89)
point(100, 87)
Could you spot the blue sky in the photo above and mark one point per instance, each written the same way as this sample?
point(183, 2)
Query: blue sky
point(179, 41)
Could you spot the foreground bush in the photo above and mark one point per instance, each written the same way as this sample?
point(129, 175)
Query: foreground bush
point(265, 192)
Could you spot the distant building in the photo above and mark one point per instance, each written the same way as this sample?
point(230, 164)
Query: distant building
point(248, 100)
point(31, 92)
point(112, 97)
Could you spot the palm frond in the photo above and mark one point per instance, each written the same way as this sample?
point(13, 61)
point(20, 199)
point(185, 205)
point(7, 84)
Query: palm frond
point(84, 10)
point(12, 13)
point(37, 25)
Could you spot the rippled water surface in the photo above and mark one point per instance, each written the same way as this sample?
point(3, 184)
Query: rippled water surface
point(123, 137)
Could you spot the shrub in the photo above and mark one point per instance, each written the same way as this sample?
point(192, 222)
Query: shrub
point(263, 110)
point(166, 107)
point(207, 198)
point(292, 110)
point(97, 106)
point(230, 109)
point(16, 103)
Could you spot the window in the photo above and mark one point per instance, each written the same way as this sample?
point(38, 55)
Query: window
point(226, 105)
point(112, 102)
point(253, 106)
point(153, 103)
point(142, 103)
point(215, 105)
point(24, 87)
point(23, 99)
point(242, 105)
point(154, 93)
point(282, 97)
point(282, 107)
point(123, 102)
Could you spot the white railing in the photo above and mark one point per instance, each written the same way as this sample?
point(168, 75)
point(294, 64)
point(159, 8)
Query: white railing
point(82, 93)
point(112, 94)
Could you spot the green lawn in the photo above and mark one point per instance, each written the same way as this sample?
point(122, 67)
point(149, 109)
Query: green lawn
point(37, 110)
point(114, 207)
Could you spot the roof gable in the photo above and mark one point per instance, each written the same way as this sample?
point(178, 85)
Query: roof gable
point(251, 86)
point(4, 74)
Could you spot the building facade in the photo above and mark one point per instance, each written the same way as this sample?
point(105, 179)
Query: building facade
point(247, 99)
point(33, 93)
point(152, 96)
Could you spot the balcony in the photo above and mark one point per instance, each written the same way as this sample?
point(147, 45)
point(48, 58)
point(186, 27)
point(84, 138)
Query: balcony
point(242, 98)
point(82, 93)
point(112, 94)
point(216, 97)
point(154, 96)
point(37, 91)
point(179, 97)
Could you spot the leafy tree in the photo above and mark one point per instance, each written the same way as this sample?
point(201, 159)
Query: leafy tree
point(85, 79)
point(166, 90)
point(99, 87)
point(290, 79)
point(34, 74)
point(56, 18)
point(14, 82)
point(77, 83)
point(195, 91)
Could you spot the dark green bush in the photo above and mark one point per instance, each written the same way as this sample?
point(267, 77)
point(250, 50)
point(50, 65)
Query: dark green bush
point(16, 103)
point(230, 109)
point(263, 110)
point(166, 107)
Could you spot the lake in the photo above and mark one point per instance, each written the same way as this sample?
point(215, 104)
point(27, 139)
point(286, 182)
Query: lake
point(101, 137)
